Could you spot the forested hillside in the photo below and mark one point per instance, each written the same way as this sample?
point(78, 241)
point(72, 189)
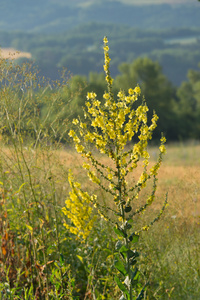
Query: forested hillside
point(80, 49)
point(69, 34)
point(58, 16)
point(156, 46)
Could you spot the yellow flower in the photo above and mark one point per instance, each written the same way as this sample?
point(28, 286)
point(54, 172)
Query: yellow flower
point(163, 140)
point(145, 228)
point(106, 96)
point(71, 133)
point(137, 90)
point(123, 172)
point(79, 148)
point(91, 95)
point(162, 149)
point(97, 103)
point(78, 210)
point(106, 48)
point(86, 166)
point(76, 139)
point(120, 95)
point(105, 40)
point(110, 176)
point(143, 179)
point(131, 91)
point(75, 121)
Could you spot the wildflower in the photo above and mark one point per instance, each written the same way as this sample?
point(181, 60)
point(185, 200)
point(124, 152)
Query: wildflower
point(162, 149)
point(137, 90)
point(106, 48)
point(78, 210)
point(131, 91)
point(79, 148)
point(106, 96)
point(145, 228)
point(105, 40)
point(71, 133)
point(86, 166)
point(110, 176)
point(75, 121)
point(91, 96)
point(112, 125)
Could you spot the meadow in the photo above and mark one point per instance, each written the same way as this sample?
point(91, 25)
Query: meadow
point(170, 251)
point(46, 255)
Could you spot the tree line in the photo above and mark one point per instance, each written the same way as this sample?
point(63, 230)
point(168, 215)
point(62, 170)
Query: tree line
point(80, 49)
point(178, 108)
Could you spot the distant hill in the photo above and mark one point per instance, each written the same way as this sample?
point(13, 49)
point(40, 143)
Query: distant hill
point(60, 15)
point(80, 49)
point(69, 33)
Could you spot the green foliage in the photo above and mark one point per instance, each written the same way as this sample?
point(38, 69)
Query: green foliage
point(188, 107)
point(78, 49)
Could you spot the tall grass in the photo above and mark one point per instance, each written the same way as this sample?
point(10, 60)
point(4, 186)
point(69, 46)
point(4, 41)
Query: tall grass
point(33, 239)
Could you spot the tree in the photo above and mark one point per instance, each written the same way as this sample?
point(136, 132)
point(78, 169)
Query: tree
point(188, 107)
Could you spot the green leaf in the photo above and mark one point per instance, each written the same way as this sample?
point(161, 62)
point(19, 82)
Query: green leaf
point(134, 238)
point(135, 275)
point(141, 294)
point(130, 221)
point(120, 232)
point(132, 261)
point(132, 253)
point(122, 287)
point(123, 251)
point(127, 209)
point(118, 263)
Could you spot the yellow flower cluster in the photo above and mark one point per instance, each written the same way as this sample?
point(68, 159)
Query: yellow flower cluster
point(78, 209)
point(156, 167)
point(107, 62)
point(113, 123)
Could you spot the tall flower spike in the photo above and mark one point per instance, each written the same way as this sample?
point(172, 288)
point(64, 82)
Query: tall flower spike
point(113, 124)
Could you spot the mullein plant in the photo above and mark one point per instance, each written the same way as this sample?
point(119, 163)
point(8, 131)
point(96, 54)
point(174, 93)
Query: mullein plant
point(113, 123)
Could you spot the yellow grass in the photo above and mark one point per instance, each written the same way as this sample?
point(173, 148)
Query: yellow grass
point(179, 175)
point(11, 53)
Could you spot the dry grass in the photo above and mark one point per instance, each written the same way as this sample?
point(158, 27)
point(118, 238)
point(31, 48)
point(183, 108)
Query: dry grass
point(10, 53)
point(179, 175)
